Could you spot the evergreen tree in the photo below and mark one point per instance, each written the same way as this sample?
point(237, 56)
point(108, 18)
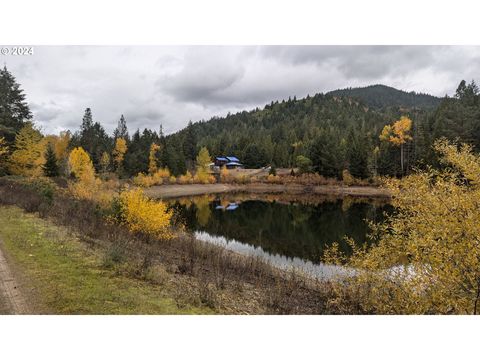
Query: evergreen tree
point(357, 155)
point(14, 110)
point(50, 168)
point(121, 130)
point(93, 138)
point(190, 145)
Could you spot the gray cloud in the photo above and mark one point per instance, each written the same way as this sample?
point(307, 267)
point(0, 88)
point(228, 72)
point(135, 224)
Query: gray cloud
point(153, 85)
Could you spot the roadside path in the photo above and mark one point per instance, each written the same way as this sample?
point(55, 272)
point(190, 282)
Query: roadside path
point(12, 301)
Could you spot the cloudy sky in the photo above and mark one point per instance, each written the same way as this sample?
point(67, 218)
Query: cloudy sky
point(172, 85)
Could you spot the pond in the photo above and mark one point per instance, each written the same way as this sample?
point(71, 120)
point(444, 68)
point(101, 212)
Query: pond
point(287, 233)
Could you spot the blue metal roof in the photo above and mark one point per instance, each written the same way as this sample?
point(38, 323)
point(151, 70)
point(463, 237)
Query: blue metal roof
point(232, 163)
point(233, 159)
point(221, 158)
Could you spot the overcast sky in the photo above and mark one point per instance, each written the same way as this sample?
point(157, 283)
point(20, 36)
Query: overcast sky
point(172, 85)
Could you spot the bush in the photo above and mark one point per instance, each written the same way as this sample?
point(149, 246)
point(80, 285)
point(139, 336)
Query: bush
point(143, 180)
point(274, 179)
point(304, 164)
point(186, 179)
point(203, 177)
point(273, 170)
point(43, 186)
point(347, 178)
point(141, 214)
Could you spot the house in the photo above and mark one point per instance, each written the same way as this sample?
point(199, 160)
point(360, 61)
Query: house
point(230, 162)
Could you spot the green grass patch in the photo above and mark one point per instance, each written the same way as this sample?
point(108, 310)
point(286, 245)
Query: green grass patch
point(69, 278)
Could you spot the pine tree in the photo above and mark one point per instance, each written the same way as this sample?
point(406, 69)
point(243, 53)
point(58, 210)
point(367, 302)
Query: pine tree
point(121, 131)
point(93, 138)
point(14, 110)
point(50, 168)
point(190, 144)
point(87, 122)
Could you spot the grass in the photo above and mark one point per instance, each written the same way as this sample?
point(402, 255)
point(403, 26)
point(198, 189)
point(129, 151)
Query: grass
point(68, 278)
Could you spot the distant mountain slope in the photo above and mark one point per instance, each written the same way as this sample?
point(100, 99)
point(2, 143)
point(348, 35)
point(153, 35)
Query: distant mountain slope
point(283, 130)
point(381, 96)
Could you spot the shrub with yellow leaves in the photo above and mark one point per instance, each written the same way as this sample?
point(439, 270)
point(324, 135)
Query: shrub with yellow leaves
point(187, 178)
point(141, 214)
point(347, 178)
point(143, 180)
point(203, 177)
point(161, 176)
point(425, 258)
point(225, 174)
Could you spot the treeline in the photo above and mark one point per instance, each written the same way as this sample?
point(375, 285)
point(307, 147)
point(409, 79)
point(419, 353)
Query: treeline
point(321, 133)
point(381, 97)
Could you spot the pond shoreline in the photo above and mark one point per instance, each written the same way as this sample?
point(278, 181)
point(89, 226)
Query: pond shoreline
point(173, 191)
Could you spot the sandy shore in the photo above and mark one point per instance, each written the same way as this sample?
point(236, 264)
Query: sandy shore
point(171, 191)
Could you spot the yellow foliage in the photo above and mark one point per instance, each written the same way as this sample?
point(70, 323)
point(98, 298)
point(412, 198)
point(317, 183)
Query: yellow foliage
point(143, 180)
point(94, 189)
point(172, 179)
point(224, 174)
point(186, 179)
point(203, 159)
point(399, 132)
point(160, 177)
point(81, 165)
point(27, 158)
point(203, 212)
point(203, 177)
point(141, 214)
point(152, 159)
point(105, 162)
point(119, 151)
point(60, 145)
point(347, 178)
point(244, 179)
point(87, 186)
point(427, 254)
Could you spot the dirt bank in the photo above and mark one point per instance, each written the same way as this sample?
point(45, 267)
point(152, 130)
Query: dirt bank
point(170, 191)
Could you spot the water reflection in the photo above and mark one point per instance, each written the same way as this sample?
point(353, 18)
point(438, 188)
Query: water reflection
point(286, 233)
point(304, 266)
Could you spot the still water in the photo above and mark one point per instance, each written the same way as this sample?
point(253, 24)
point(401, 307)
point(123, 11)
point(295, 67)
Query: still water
point(285, 233)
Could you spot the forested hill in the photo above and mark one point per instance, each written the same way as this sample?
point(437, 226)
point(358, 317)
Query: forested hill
point(381, 96)
point(281, 131)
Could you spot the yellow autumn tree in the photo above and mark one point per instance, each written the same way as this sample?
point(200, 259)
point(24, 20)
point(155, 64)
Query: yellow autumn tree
point(152, 159)
point(59, 144)
point(81, 166)
point(398, 134)
point(426, 255)
point(27, 156)
point(104, 162)
point(142, 214)
point(119, 153)
point(203, 163)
